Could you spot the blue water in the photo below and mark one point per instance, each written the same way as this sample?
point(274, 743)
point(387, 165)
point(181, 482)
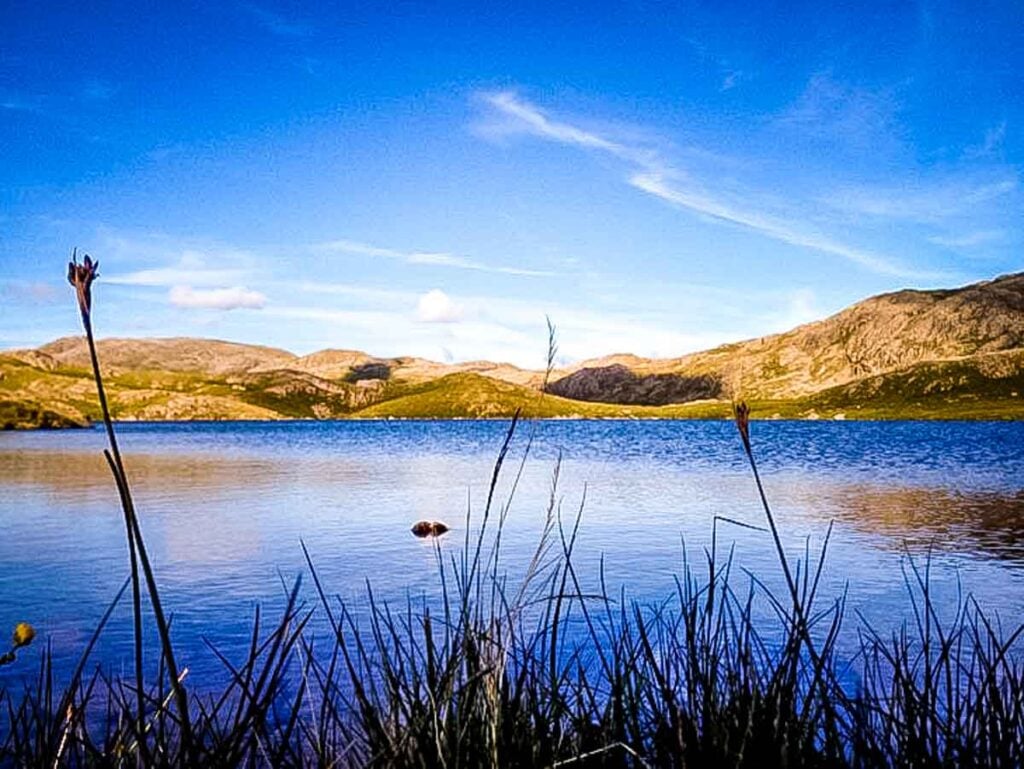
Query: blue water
point(225, 505)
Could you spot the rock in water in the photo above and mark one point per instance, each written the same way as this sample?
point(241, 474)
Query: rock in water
point(422, 528)
point(429, 529)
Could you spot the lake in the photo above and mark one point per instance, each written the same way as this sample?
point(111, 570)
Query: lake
point(224, 506)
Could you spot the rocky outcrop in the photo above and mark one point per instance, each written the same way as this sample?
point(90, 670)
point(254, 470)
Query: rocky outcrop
point(618, 384)
point(369, 371)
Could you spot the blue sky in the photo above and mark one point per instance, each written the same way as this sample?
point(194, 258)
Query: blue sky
point(432, 179)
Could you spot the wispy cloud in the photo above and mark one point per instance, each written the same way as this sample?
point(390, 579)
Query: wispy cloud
point(782, 231)
point(98, 90)
point(732, 79)
point(970, 239)
point(651, 174)
point(497, 329)
point(990, 144)
point(527, 118)
point(189, 270)
point(29, 291)
point(436, 259)
point(276, 23)
point(928, 204)
point(363, 293)
point(233, 298)
point(21, 103)
point(842, 117)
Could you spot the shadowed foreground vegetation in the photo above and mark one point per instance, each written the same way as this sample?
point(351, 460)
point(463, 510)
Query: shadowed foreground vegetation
point(534, 669)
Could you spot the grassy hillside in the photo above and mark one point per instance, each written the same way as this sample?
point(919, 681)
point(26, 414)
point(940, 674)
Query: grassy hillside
point(981, 387)
point(473, 396)
point(949, 354)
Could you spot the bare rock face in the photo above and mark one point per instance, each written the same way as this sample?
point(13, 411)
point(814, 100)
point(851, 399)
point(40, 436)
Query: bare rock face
point(893, 331)
point(618, 384)
point(369, 372)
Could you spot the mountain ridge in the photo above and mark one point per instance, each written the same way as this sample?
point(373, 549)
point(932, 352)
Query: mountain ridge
point(842, 364)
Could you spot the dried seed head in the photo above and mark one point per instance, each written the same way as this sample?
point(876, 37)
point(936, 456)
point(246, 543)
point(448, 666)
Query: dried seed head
point(741, 412)
point(81, 277)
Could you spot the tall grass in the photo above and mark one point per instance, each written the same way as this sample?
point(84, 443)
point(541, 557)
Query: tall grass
point(532, 669)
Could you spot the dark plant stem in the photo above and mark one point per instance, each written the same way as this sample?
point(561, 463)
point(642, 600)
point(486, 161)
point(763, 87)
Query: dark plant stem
point(137, 551)
point(801, 612)
point(140, 691)
point(790, 582)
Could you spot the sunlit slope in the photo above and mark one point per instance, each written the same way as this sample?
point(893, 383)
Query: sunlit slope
point(473, 396)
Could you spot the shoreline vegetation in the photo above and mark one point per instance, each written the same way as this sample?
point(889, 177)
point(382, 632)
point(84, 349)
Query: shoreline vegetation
point(538, 669)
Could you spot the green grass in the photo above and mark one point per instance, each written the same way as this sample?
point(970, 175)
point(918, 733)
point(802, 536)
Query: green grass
point(940, 390)
point(473, 396)
point(34, 397)
point(16, 415)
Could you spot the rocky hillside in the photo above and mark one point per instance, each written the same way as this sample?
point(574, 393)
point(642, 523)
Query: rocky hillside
point(950, 353)
point(879, 336)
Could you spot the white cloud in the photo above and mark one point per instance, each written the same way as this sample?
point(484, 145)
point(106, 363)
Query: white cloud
point(233, 298)
point(525, 117)
point(436, 306)
point(801, 308)
point(509, 329)
point(98, 90)
point(366, 294)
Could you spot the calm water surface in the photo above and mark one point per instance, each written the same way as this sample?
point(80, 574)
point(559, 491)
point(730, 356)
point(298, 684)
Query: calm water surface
point(224, 507)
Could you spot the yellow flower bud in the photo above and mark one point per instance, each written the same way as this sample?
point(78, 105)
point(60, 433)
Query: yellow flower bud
point(23, 634)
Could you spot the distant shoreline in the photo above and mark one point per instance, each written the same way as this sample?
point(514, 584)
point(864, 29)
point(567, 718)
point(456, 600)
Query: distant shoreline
point(498, 419)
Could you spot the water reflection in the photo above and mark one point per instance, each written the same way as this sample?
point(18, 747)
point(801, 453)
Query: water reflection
point(988, 523)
